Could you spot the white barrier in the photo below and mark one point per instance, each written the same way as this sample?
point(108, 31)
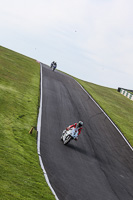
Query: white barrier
point(126, 94)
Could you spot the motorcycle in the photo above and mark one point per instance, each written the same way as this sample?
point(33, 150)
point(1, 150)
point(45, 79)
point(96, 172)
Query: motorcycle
point(68, 135)
point(54, 67)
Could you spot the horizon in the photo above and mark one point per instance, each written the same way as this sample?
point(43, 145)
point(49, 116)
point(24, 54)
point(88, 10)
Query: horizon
point(89, 39)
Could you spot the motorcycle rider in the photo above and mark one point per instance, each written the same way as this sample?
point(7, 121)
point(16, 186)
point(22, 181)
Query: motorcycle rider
point(52, 64)
point(78, 128)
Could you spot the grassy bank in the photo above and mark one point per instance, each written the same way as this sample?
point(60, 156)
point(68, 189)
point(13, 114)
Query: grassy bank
point(118, 107)
point(20, 174)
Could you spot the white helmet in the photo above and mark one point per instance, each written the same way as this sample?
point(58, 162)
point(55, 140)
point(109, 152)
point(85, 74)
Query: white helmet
point(79, 124)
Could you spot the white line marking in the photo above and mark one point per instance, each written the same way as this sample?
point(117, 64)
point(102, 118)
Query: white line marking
point(38, 140)
point(106, 116)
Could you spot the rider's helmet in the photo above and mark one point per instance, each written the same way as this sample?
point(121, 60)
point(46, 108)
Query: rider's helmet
point(79, 124)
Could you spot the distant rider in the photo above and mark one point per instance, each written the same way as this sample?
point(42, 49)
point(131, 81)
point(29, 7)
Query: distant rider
point(52, 64)
point(78, 128)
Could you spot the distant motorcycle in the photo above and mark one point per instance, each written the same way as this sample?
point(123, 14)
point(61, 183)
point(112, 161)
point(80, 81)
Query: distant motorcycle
point(69, 135)
point(54, 67)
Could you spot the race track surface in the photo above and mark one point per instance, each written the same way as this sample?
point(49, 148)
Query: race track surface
point(99, 166)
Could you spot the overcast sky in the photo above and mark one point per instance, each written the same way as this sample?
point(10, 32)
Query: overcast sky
point(89, 39)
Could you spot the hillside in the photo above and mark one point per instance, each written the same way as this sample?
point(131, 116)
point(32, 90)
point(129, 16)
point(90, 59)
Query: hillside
point(118, 107)
point(21, 176)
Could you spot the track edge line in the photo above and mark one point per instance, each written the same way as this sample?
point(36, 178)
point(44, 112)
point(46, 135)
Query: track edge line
point(106, 115)
point(38, 139)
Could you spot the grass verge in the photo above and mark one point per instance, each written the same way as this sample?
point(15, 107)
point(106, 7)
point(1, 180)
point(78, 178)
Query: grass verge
point(118, 107)
point(20, 174)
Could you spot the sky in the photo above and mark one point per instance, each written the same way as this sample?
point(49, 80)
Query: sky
point(89, 39)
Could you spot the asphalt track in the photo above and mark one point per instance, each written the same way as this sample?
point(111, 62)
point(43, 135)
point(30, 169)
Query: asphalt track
point(99, 166)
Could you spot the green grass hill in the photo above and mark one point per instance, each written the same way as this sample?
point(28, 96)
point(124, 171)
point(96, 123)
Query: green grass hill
point(118, 107)
point(21, 176)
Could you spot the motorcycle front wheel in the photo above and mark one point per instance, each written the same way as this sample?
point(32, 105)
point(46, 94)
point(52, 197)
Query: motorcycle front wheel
point(68, 139)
